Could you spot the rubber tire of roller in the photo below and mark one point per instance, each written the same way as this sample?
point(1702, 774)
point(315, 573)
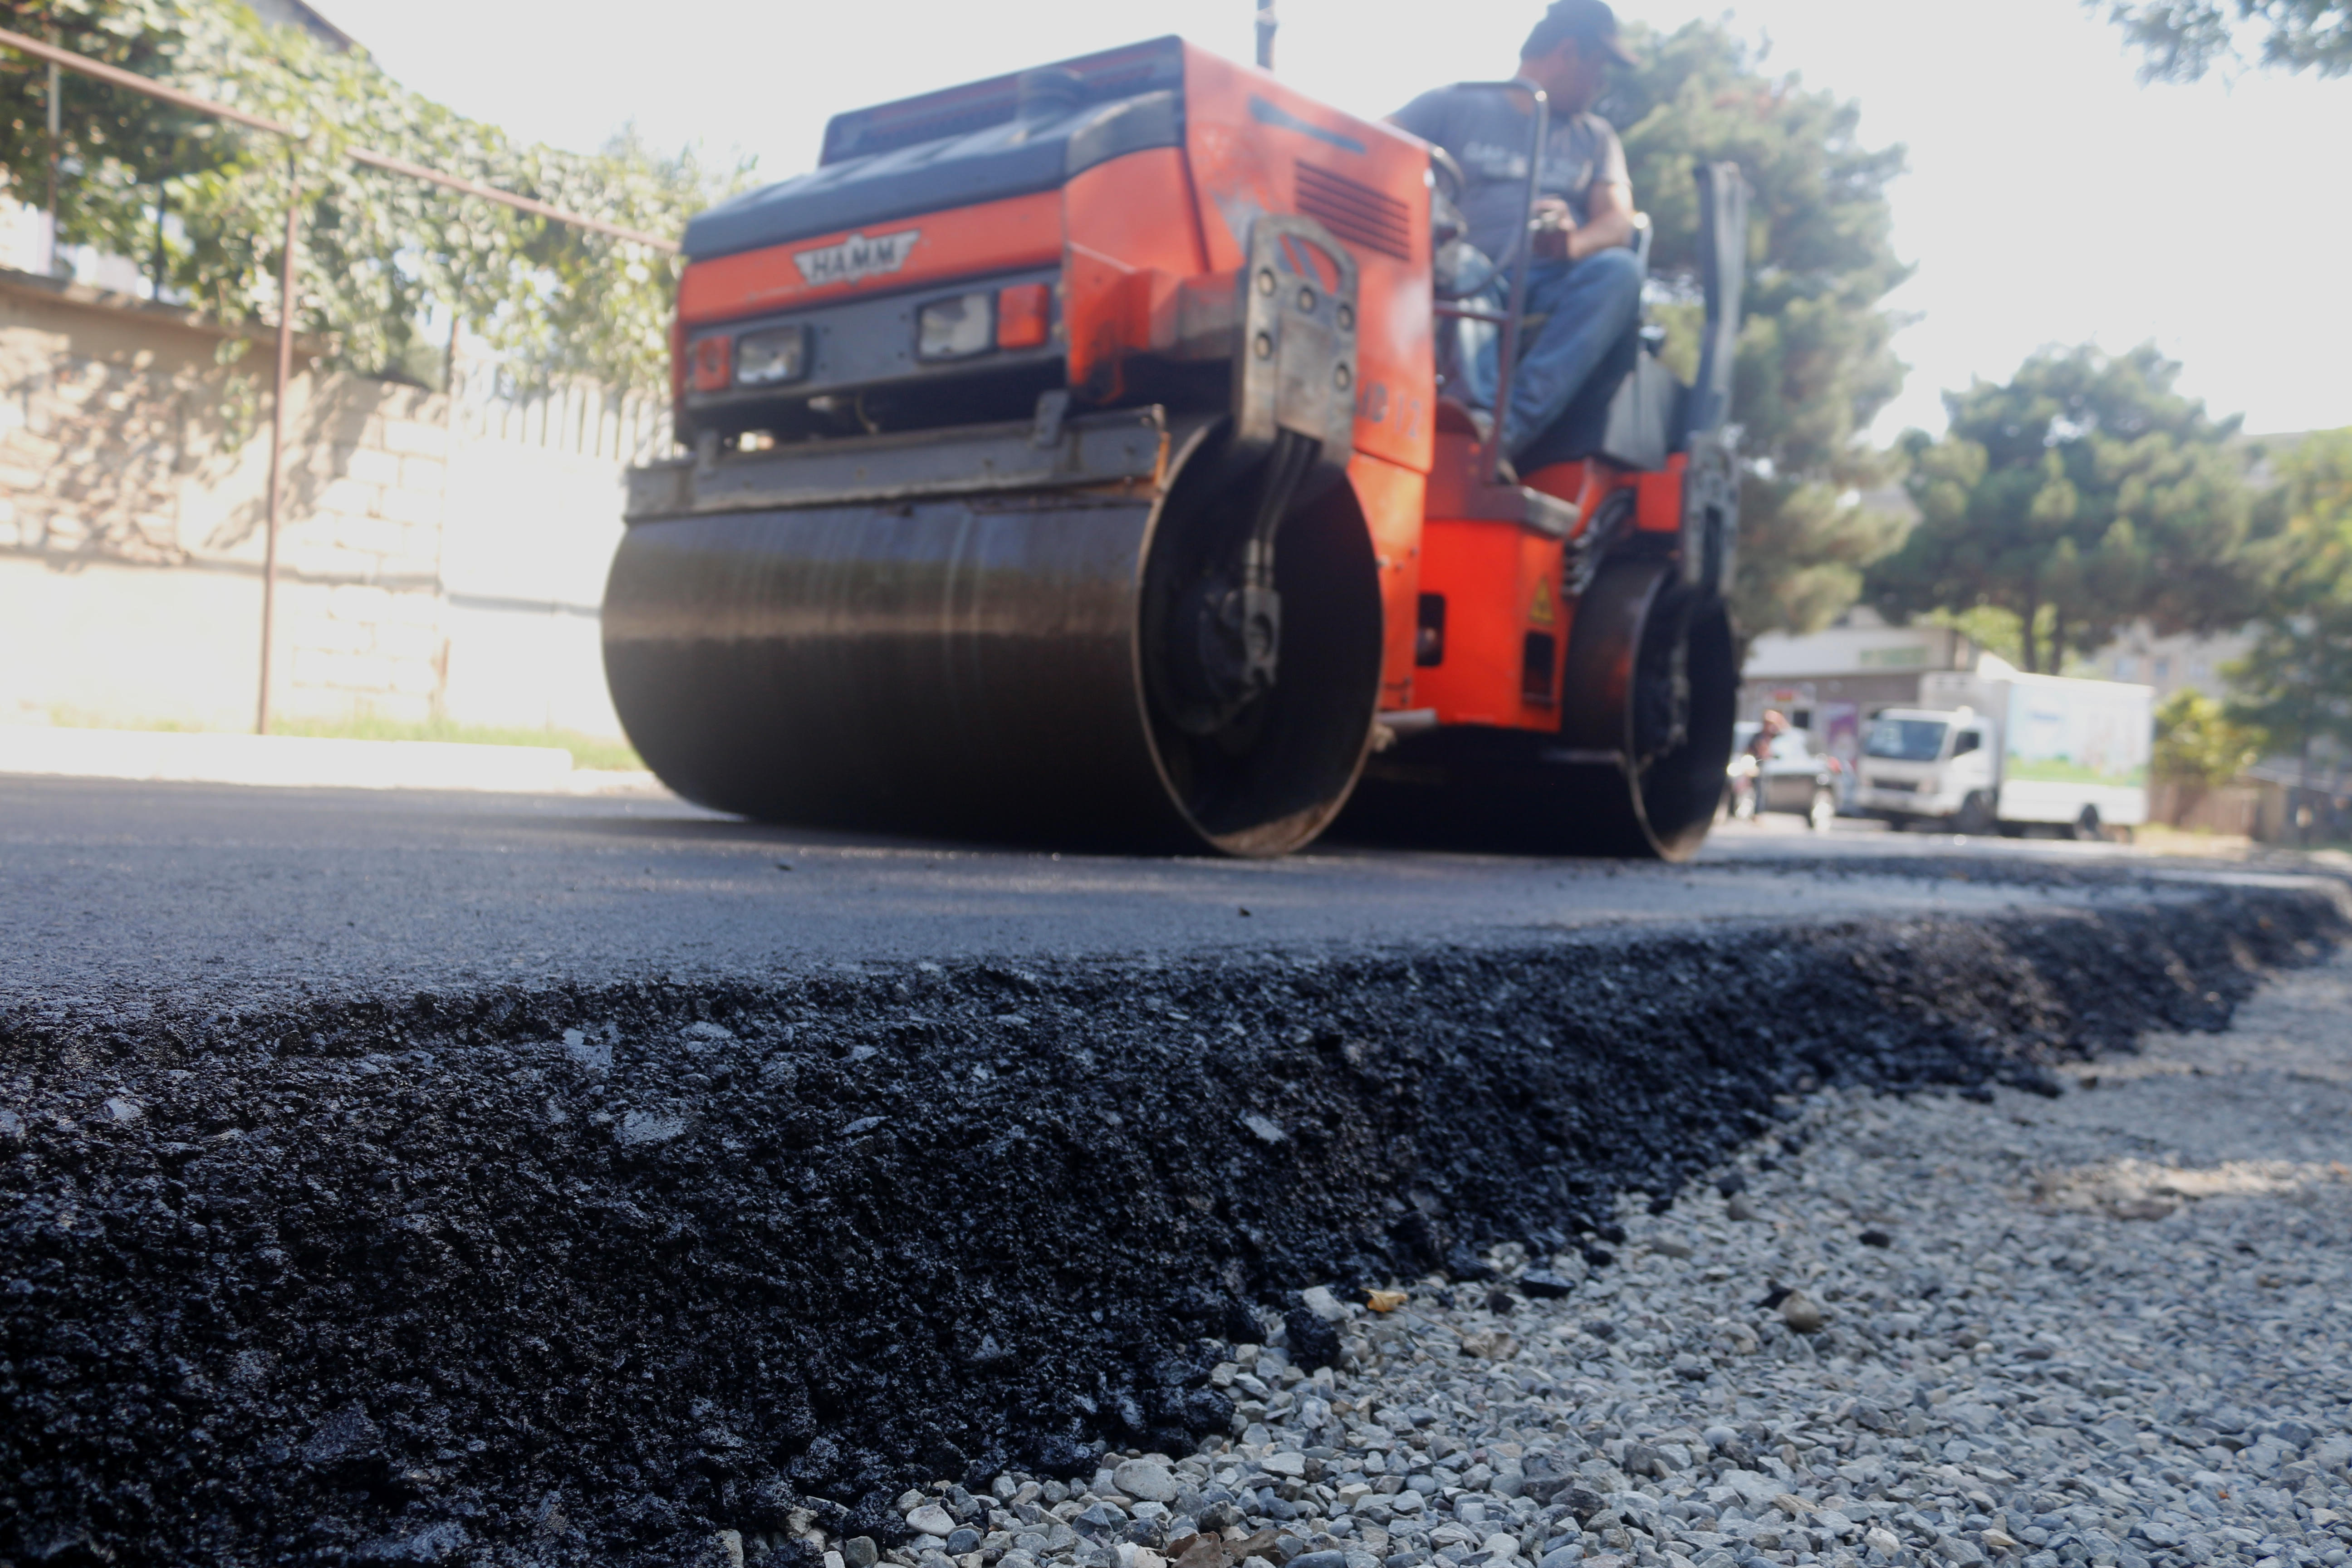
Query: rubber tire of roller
point(1494, 790)
point(1622, 623)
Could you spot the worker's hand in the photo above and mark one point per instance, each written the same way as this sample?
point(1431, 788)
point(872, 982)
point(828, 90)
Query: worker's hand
point(1550, 225)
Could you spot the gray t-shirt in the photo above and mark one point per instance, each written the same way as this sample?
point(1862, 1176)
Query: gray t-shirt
point(1486, 131)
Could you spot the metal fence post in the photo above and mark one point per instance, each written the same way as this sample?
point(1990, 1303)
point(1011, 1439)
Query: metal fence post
point(278, 442)
point(56, 130)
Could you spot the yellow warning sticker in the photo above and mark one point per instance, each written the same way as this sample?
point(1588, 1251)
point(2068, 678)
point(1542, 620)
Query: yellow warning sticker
point(1540, 611)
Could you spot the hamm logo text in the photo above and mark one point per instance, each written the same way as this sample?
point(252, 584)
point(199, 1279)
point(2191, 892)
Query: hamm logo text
point(857, 259)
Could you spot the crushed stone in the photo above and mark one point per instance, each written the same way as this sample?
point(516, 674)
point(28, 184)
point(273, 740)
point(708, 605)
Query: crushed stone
point(2112, 1328)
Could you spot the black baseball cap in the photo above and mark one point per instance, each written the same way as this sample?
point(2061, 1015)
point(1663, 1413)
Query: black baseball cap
point(1590, 22)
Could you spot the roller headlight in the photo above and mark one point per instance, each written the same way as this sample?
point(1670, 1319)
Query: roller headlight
point(771, 358)
point(956, 328)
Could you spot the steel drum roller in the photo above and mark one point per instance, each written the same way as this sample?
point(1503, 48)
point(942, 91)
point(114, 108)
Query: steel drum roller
point(975, 665)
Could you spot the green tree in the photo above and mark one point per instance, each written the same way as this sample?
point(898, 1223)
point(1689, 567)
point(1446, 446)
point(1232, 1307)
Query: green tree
point(2198, 744)
point(2181, 40)
point(2081, 494)
point(2296, 681)
point(374, 250)
point(1816, 362)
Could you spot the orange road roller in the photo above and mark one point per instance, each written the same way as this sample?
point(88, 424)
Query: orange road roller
point(1073, 460)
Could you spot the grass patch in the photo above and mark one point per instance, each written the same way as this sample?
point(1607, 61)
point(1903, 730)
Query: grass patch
point(2165, 839)
point(587, 751)
point(76, 719)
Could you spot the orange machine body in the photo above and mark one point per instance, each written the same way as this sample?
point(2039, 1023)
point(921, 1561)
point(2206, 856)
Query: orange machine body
point(1139, 240)
point(1494, 614)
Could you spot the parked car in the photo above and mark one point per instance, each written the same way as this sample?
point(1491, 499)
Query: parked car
point(1797, 777)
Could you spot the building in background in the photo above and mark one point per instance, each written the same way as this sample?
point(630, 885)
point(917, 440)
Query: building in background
point(1832, 680)
point(2170, 663)
point(24, 235)
point(1858, 659)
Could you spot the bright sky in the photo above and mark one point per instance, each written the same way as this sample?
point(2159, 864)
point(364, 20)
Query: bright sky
point(2051, 198)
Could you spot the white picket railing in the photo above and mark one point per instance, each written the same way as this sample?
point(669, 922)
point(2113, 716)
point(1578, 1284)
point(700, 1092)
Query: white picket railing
point(580, 417)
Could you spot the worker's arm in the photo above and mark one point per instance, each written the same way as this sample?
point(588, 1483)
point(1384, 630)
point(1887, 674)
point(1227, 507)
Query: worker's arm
point(1608, 220)
point(1609, 212)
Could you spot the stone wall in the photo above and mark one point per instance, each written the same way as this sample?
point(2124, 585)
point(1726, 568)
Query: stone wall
point(439, 558)
point(360, 597)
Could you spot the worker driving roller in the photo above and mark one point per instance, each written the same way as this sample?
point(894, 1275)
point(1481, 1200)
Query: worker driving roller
point(1584, 281)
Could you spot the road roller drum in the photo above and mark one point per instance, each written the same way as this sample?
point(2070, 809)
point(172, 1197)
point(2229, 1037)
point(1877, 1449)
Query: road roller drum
point(977, 664)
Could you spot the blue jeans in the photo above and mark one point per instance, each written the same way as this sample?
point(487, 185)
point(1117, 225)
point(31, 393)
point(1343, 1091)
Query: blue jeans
point(1592, 304)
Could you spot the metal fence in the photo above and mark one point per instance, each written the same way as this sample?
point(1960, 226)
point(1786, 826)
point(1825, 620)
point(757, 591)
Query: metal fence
point(567, 415)
point(585, 418)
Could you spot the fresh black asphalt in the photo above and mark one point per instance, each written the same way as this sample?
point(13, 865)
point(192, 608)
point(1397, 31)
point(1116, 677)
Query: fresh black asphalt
point(222, 896)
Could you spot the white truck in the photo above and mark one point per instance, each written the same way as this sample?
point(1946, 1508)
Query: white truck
point(1996, 750)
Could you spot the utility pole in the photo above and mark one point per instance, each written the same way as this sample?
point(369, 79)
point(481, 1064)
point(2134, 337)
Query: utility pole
point(2303, 811)
point(1266, 24)
point(56, 130)
point(276, 499)
point(162, 210)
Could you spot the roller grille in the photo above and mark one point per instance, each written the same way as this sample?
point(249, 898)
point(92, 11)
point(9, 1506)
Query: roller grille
point(1355, 212)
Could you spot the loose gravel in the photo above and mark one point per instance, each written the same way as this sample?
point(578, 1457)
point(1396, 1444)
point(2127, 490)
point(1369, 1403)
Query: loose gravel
point(2109, 1328)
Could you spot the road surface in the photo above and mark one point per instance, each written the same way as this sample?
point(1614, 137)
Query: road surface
point(215, 894)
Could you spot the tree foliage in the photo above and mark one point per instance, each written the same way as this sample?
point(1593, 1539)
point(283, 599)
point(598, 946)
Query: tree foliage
point(1816, 362)
point(2296, 681)
point(2198, 744)
point(2081, 494)
point(2181, 40)
point(373, 249)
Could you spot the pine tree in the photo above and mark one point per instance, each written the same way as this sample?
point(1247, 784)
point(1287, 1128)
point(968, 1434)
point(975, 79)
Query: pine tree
point(2082, 493)
point(2296, 681)
point(1816, 358)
